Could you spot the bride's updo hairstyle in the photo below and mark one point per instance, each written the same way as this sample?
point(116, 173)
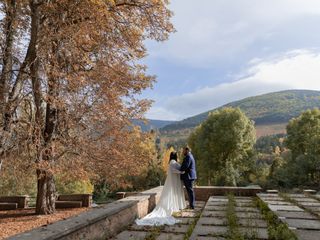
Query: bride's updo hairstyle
point(173, 156)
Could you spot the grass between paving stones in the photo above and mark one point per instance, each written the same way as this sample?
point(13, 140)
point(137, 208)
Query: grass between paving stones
point(191, 227)
point(276, 229)
point(154, 232)
point(233, 232)
point(294, 202)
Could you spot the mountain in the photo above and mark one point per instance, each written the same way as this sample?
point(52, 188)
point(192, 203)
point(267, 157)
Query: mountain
point(152, 124)
point(268, 109)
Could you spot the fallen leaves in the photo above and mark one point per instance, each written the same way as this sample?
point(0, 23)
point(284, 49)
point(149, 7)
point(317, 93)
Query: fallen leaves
point(22, 220)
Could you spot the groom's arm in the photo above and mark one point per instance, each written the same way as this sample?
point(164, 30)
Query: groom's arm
point(186, 164)
point(175, 168)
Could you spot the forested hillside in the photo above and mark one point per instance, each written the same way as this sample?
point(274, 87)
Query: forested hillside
point(267, 109)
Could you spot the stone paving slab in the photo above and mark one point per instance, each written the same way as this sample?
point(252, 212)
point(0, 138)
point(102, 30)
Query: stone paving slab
point(185, 220)
point(215, 208)
point(310, 204)
point(243, 200)
point(213, 221)
point(136, 227)
point(303, 224)
point(248, 215)
point(131, 235)
point(297, 195)
point(199, 203)
point(217, 200)
point(291, 208)
point(213, 214)
point(170, 236)
point(247, 209)
point(271, 198)
point(261, 195)
point(306, 200)
point(257, 223)
point(214, 199)
point(176, 229)
point(216, 203)
point(277, 202)
point(207, 238)
point(307, 235)
point(187, 214)
point(295, 215)
point(244, 204)
point(201, 230)
point(314, 209)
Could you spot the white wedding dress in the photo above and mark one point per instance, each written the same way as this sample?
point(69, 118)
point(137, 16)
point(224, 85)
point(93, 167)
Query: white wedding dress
point(171, 200)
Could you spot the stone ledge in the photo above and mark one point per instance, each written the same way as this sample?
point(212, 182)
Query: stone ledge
point(98, 223)
point(203, 193)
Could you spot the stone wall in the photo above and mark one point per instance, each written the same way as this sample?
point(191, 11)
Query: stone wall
point(99, 223)
point(203, 193)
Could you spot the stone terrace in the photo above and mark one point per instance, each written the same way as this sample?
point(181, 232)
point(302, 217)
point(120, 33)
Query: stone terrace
point(210, 221)
point(212, 218)
point(213, 223)
point(299, 212)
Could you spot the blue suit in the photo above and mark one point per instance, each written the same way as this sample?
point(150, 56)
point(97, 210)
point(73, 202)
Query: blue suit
point(189, 167)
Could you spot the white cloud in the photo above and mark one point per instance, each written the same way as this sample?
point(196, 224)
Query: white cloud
point(161, 113)
point(298, 69)
point(209, 31)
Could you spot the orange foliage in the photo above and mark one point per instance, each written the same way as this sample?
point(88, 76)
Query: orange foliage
point(69, 94)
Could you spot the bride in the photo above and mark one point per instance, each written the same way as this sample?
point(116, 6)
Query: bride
point(171, 200)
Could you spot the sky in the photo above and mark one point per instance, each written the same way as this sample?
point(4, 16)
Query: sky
point(226, 50)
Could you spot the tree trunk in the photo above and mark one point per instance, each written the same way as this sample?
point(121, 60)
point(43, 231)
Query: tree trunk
point(46, 193)
point(46, 185)
point(6, 75)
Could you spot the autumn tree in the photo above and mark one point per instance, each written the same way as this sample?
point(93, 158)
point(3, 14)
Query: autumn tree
point(150, 169)
point(222, 146)
point(166, 158)
point(72, 68)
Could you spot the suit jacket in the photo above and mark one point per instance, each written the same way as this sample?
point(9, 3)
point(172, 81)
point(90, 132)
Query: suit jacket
point(189, 167)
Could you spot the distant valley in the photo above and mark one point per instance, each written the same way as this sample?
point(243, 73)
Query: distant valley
point(270, 112)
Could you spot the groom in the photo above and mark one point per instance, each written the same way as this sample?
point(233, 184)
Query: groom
point(189, 167)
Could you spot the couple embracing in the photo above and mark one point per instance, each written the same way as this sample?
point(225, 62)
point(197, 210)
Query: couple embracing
point(172, 198)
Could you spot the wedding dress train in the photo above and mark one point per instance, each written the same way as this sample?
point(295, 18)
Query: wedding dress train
point(172, 199)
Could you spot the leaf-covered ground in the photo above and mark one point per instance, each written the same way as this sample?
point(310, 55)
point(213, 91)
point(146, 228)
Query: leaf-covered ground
point(18, 221)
